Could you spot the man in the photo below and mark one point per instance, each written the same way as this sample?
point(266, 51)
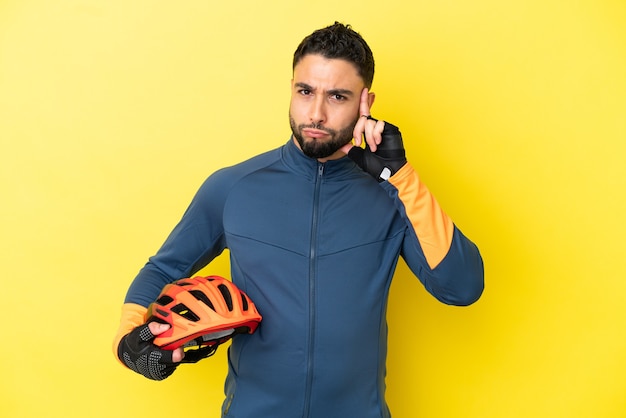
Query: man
point(314, 238)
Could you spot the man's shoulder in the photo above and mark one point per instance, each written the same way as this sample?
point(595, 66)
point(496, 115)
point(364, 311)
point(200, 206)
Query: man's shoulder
point(225, 178)
point(252, 164)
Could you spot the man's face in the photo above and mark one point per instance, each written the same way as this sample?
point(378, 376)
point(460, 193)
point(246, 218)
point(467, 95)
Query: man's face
point(325, 98)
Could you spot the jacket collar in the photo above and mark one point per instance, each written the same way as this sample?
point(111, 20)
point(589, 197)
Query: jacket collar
point(295, 159)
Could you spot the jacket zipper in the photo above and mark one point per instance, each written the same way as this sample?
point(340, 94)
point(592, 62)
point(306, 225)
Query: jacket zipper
point(312, 276)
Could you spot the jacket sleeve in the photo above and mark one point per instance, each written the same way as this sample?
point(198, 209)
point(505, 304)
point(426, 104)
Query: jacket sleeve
point(195, 241)
point(132, 316)
point(446, 262)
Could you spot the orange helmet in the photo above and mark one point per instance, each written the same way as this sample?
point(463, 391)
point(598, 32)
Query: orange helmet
point(202, 312)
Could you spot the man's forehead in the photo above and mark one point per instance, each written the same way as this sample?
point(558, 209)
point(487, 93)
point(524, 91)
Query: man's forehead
point(332, 72)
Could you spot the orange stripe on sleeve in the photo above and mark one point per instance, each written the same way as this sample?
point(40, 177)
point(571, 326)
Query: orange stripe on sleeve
point(433, 227)
point(133, 315)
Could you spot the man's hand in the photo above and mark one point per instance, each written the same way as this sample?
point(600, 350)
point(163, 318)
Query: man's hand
point(384, 152)
point(137, 351)
point(366, 125)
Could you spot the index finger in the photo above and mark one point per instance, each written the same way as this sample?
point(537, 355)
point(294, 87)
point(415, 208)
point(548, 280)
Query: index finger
point(364, 112)
point(364, 104)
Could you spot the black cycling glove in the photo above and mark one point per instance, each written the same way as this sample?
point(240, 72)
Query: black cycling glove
point(388, 158)
point(137, 351)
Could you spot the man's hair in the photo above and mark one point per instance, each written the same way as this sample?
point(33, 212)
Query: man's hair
point(339, 41)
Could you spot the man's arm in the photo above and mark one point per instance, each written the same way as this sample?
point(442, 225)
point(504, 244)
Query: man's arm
point(446, 262)
point(194, 242)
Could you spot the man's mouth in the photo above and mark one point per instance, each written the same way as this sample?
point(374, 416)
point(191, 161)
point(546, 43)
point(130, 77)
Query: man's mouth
point(314, 133)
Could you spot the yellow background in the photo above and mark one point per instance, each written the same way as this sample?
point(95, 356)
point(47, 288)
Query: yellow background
point(514, 112)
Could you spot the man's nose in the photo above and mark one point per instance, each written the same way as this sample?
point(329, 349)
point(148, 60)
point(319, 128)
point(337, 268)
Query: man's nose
point(318, 111)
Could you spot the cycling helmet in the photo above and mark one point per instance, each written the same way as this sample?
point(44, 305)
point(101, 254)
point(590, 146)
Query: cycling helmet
point(202, 312)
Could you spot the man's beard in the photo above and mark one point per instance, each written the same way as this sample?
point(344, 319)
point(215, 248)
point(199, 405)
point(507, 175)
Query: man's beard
point(315, 148)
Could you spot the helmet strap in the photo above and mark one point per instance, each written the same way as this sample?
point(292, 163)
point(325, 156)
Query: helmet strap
point(195, 355)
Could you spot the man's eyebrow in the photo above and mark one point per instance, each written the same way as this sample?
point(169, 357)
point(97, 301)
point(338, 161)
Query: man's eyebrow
point(304, 86)
point(341, 92)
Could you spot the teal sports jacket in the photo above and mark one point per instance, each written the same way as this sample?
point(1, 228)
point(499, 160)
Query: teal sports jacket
point(315, 246)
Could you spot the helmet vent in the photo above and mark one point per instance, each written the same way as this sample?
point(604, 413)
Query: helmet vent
point(185, 312)
point(227, 297)
point(164, 300)
point(244, 302)
point(199, 294)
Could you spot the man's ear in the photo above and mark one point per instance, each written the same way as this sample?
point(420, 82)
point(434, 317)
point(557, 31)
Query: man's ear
point(371, 96)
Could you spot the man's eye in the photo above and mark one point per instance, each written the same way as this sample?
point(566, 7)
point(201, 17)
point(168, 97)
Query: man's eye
point(305, 92)
point(339, 97)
